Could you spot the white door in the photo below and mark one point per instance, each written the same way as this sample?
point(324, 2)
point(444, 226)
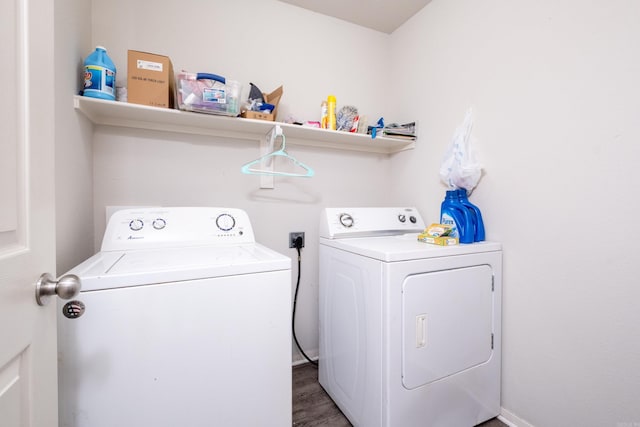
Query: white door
point(28, 377)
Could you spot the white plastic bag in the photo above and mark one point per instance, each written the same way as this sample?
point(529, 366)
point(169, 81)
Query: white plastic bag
point(460, 169)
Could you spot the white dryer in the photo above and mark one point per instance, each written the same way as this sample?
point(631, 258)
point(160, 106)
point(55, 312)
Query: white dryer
point(183, 320)
point(410, 333)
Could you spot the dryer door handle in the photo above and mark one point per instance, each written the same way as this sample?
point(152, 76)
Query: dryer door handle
point(421, 331)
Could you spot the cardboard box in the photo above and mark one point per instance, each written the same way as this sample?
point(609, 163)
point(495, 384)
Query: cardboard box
point(150, 79)
point(271, 98)
point(442, 241)
point(438, 234)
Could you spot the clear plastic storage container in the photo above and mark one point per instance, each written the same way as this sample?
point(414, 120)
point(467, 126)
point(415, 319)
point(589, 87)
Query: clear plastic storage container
point(208, 93)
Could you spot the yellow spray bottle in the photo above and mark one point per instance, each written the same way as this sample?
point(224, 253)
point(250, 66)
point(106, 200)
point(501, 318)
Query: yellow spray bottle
point(331, 112)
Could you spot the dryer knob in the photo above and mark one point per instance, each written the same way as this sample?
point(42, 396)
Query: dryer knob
point(413, 219)
point(402, 218)
point(346, 220)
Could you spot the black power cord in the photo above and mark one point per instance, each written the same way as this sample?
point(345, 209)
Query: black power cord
point(298, 246)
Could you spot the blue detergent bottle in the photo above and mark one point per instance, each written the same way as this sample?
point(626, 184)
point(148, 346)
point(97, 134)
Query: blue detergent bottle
point(453, 212)
point(477, 215)
point(472, 213)
point(99, 75)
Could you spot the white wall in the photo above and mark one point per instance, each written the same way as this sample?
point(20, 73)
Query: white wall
point(73, 134)
point(268, 43)
point(555, 90)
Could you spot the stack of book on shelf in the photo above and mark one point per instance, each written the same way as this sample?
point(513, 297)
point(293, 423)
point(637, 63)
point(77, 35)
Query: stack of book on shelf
point(394, 130)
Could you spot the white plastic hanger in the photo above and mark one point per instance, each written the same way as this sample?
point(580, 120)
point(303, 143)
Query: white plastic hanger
point(267, 160)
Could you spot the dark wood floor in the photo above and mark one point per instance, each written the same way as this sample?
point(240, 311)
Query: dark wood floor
point(312, 407)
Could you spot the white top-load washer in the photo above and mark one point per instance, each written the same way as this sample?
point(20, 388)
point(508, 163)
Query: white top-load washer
point(182, 320)
point(410, 333)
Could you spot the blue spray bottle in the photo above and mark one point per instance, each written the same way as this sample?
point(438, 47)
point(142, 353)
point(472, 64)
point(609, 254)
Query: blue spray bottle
point(477, 215)
point(454, 213)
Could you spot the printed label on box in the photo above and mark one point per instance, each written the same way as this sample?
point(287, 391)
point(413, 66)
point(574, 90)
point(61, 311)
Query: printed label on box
point(149, 65)
point(214, 95)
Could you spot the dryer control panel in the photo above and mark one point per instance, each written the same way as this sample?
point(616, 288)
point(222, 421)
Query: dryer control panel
point(336, 223)
point(174, 227)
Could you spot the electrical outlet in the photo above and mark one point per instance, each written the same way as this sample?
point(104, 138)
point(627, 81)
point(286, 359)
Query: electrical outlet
point(293, 237)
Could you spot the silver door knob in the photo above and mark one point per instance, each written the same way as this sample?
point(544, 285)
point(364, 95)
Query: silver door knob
point(66, 287)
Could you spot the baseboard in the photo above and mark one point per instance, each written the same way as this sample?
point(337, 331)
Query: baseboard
point(301, 360)
point(512, 420)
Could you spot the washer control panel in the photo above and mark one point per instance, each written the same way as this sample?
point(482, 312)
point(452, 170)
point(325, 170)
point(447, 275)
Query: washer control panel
point(358, 222)
point(148, 228)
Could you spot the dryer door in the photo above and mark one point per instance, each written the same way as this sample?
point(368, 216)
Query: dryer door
point(446, 323)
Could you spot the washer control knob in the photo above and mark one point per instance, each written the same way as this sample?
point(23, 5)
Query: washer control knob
point(225, 222)
point(413, 219)
point(346, 220)
point(159, 223)
point(136, 225)
point(402, 218)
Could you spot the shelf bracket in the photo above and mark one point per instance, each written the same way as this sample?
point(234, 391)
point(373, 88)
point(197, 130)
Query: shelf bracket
point(267, 145)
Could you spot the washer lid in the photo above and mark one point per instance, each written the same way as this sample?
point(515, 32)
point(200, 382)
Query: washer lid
point(404, 247)
point(115, 269)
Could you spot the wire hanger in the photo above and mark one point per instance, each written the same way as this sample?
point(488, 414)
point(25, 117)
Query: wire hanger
point(267, 160)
